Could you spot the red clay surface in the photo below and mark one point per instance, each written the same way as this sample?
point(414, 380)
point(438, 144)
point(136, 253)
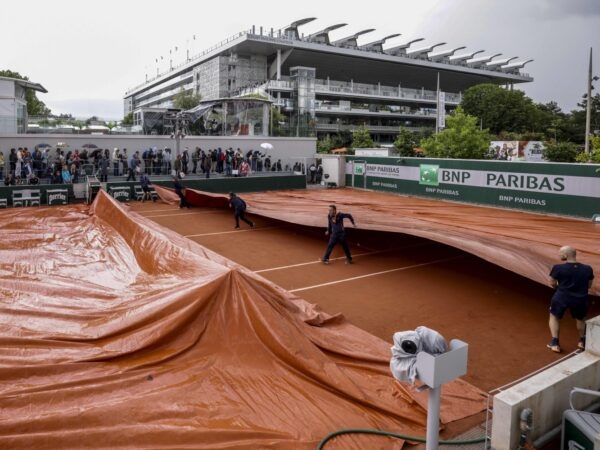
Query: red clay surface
point(118, 330)
point(400, 281)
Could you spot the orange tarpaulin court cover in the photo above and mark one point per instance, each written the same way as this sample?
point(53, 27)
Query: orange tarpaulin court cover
point(118, 333)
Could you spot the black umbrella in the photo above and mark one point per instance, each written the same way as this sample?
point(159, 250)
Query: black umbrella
point(42, 145)
point(89, 146)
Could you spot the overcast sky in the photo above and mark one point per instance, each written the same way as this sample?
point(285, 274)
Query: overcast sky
point(88, 54)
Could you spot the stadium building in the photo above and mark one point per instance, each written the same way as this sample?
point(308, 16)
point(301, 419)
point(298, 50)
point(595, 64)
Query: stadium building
point(320, 86)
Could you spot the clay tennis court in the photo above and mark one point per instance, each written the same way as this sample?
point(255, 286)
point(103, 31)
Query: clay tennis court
point(143, 324)
point(400, 281)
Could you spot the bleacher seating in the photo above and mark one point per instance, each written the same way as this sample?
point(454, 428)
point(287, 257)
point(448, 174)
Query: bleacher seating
point(3, 202)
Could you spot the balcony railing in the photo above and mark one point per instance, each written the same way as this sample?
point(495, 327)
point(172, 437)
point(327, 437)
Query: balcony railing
point(362, 90)
point(389, 129)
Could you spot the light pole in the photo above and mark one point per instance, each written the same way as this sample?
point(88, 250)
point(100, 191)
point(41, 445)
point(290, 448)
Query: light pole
point(588, 113)
point(178, 133)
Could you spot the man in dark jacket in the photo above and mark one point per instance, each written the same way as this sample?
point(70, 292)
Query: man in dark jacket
point(239, 210)
point(337, 233)
point(179, 191)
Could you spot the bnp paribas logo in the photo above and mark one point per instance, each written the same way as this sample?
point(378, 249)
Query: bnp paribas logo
point(428, 174)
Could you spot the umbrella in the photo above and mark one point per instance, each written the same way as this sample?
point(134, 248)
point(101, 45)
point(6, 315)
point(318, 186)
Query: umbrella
point(42, 145)
point(89, 146)
point(266, 146)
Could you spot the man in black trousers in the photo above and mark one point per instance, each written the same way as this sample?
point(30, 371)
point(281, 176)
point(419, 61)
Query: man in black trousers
point(337, 233)
point(239, 209)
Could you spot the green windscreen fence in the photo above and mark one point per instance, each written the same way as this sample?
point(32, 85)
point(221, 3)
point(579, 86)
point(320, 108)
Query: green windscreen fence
point(552, 188)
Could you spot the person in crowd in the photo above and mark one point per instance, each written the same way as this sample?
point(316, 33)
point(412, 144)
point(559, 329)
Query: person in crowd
point(12, 161)
point(56, 177)
point(196, 154)
point(239, 210)
point(207, 165)
point(244, 168)
point(37, 162)
point(103, 168)
point(85, 157)
point(185, 159)
point(74, 173)
point(19, 164)
point(116, 160)
point(134, 164)
point(159, 169)
point(124, 161)
point(319, 175)
point(312, 169)
point(147, 158)
point(146, 187)
point(228, 155)
point(1, 164)
point(66, 174)
point(572, 281)
point(9, 179)
point(179, 191)
point(337, 233)
point(178, 165)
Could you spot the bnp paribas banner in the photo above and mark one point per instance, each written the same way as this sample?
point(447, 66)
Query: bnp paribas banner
point(567, 189)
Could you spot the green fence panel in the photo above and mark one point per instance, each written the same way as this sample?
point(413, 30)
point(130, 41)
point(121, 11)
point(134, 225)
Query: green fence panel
point(551, 188)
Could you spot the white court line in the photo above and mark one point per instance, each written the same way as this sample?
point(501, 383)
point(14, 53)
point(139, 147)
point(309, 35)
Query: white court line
point(376, 273)
point(370, 252)
point(238, 230)
point(173, 211)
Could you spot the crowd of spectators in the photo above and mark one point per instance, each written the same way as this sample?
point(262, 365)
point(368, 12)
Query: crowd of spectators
point(56, 165)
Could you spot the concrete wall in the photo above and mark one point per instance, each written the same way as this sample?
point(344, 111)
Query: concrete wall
point(547, 394)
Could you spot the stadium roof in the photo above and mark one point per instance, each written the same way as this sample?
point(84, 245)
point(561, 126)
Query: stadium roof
point(345, 60)
point(26, 84)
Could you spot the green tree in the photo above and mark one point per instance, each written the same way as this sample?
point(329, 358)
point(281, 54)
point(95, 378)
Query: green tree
point(594, 156)
point(461, 139)
point(185, 100)
point(91, 119)
point(552, 121)
point(405, 143)
point(325, 145)
point(362, 138)
point(501, 110)
point(277, 122)
point(560, 151)
point(128, 119)
point(35, 107)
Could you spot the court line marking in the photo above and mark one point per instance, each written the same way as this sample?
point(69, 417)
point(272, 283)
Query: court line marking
point(171, 213)
point(383, 272)
point(370, 252)
point(237, 230)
